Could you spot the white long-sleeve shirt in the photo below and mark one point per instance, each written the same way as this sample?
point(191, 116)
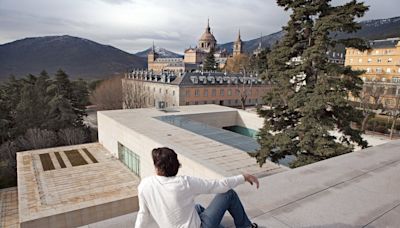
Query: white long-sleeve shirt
point(169, 201)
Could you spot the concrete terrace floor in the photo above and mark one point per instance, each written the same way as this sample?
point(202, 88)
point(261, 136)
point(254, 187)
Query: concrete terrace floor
point(360, 189)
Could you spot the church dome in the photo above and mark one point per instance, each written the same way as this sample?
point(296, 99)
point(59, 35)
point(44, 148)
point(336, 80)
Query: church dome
point(207, 36)
point(207, 41)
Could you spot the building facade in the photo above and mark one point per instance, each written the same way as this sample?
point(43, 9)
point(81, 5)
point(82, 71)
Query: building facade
point(381, 64)
point(193, 56)
point(192, 88)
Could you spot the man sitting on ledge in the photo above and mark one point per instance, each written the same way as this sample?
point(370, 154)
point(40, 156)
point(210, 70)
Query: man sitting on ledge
point(168, 199)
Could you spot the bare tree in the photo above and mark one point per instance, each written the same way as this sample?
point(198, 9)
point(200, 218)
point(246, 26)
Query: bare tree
point(8, 156)
point(371, 100)
point(393, 110)
point(237, 63)
point(36, 139)
point(134, 94)
point(72, 136)
point(108, 94)
point(243, 88)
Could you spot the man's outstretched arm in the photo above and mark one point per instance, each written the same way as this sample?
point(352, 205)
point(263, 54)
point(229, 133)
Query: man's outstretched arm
point(203, 186)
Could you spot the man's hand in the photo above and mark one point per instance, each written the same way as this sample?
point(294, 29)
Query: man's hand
point(251, 179)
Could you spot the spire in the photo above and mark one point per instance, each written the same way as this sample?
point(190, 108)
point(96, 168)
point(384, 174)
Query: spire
point(260, 44)
point(153, 48)
point(208, 25)
point(239, 37)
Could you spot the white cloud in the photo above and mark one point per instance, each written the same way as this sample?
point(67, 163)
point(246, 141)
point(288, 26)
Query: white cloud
point(132, 25)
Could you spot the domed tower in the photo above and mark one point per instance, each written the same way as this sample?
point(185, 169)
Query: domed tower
point(238, 46)
point(207, 41)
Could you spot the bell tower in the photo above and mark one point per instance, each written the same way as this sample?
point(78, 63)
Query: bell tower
point(238, 46)
point(152, 55)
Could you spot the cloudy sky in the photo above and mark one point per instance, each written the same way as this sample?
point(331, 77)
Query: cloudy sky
point(132, 25)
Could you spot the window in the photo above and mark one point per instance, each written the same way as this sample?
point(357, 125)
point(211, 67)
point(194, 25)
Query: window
point(388, 70)
point(205, 92)
point(173, 92)
point(159, 90)
point(187, 103)
point(369, 60)
point(229, 92)
point(166, 91)
point(351, 60)
point(379, 60)
point(188, 92)
point(213, 92)
point(154, 89)
point(221, 92)
point(196, 102)
point(396, 80)
point(197, 92)
point(378, 70)
point(129, 159)
point(377, 52)
point(368, 70)
point(390, 60)
point(360, 60)
point(383, 79)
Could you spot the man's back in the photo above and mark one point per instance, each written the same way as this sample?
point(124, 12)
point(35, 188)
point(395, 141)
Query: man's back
point(170, 200)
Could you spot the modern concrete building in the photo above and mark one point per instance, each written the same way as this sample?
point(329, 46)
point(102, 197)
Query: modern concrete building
point(94, 185)
point(73, 186)
point(193, 88)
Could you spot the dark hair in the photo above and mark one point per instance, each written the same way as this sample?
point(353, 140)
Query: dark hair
point(166, 161)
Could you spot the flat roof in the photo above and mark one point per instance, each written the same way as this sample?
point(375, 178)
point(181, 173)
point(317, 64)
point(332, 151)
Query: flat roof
point(359, 189)
point(9, 208)
point(62, 179)
point(222, 158)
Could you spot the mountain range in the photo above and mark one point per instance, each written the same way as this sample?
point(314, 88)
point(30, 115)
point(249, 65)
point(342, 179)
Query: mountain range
point(370, 30)
point(162, 52)
point(82, 58)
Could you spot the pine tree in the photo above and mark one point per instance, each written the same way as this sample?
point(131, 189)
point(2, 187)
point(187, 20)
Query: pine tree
point(309, 96)
point(209, 63)
point(79, 98)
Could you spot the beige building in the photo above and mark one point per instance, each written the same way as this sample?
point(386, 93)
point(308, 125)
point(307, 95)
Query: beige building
point(193, 57)
point(381, 64)
point(192, 88)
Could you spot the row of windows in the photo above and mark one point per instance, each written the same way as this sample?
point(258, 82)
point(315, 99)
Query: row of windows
point(229, 92)
point(226, 102)
point(160, 90)
point(379, 60)
point(394, 80)
point(380, 70)
point(374, 52)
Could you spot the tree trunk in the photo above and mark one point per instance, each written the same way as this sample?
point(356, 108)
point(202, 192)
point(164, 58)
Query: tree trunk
point(243, 101)
point(392, 128)
point(365, 121)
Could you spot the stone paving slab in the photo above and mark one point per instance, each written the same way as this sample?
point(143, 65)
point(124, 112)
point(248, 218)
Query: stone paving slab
point(9, 208)
point(70, 196)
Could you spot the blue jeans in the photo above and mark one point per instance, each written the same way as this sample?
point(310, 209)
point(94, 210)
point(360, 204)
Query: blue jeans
point(229, 201)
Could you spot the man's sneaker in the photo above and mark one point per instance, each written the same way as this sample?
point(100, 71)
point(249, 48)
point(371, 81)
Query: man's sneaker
point(253, 225)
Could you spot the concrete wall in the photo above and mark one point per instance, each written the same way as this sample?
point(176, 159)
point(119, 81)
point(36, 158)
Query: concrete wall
point(249, 120)
point(216, 119)
point(86, 215)
point(112, 132)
